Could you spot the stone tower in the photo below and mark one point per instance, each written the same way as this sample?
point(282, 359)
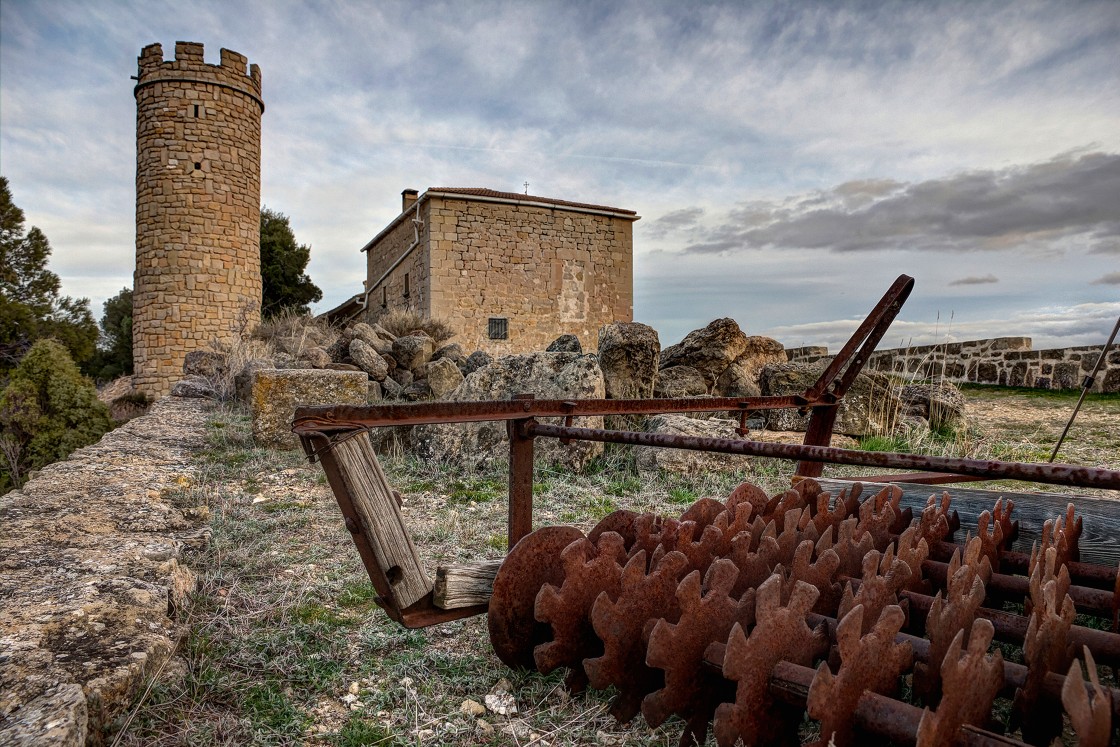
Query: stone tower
point(198, 197)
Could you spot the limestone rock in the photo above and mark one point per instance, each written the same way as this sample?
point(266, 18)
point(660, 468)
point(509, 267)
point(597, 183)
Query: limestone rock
point(683, 461)
point(443, 377)
point(193, 386)
point(941, 404)
point(413, 351)
point(548, 376)
point(374, 392)
point(870, 407)
point(339, 350)
point(476, 360)
point(417, 391)
point(402, 376)
point(740, 379)
point(679, 381)
point(367, 334)
point(276, 394)
point(91, 579)
point(317, 357)
point(207, 363)
point(628, 354)
point(453, 352)
point(709, 350)
point(367, 359)
point(565, 344)
point(390, 389)
point(341, 367)
point(383, 333)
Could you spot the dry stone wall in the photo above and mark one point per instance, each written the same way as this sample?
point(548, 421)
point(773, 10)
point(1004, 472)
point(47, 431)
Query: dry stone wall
point(198, 175)
point(92, 576)
point(1006, 361)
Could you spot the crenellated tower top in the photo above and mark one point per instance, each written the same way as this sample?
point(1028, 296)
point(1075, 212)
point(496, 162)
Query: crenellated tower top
point(190, 66)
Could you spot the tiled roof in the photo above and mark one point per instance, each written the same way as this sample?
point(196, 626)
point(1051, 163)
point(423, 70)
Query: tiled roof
point(517, 197)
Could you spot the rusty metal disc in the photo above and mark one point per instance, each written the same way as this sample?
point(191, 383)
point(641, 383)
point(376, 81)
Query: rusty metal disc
point(532, 563)
point(621, 521)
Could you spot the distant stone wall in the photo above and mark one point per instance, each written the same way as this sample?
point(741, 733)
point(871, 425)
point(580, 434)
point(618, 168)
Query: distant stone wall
point(198, 188)
point(1006, 361)
point(91, 577)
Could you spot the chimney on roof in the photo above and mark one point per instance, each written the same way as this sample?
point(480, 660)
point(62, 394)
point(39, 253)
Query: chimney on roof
point(408, 199)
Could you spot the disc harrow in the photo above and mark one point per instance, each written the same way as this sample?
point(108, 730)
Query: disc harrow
point(743, 615)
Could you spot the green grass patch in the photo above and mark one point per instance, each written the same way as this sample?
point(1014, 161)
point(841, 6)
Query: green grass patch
point(476, 490)
point(884, 443)
point(682, 494)
point(360, 732)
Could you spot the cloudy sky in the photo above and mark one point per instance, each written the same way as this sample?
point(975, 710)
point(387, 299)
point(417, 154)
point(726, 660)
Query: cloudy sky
point(788, 160)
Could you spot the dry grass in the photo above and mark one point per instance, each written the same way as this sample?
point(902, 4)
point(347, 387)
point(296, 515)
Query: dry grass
point(403, 321)
point(286, 645)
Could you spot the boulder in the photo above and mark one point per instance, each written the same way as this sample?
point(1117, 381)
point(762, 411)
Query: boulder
point(205, 363)
point(709, 350)
point(413, 351)
point(453, 352)
point(339, 350)
point(193, 386)
point(443, 377)
point(546, 375)
point(277, 393)
point(870, 407)
point(402, 376)
point(740, 379)
point(390, 389)
point(368, 359)
point(941, 404)
point(374, 392)
point(417, 391)
point(679, 381)
point(341, 367)
point(317, 357)
point(629, 354)
point(382, 332)
point(476, 360)
point(684, 461)
point(565, 344)
point(367, 334)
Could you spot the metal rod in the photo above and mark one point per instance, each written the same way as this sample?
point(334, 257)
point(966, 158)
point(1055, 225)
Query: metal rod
point(335, 418)
point(520, 478)
point(1057, 474)
point(1086, 385)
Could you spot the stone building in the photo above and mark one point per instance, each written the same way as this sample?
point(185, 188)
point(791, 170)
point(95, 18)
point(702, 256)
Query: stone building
point(509, 272)
point(198, 187)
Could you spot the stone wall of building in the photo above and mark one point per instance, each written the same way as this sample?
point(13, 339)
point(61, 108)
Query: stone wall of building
point(1006, 361)
point(547, 271)
point(198, 175)
point(408, 284)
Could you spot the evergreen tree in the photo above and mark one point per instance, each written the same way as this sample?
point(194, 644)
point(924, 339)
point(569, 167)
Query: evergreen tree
point(47, 410)
point(114, 348)
point(30, 305)
point(283, 268)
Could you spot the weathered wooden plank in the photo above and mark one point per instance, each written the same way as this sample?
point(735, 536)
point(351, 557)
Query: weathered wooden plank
point(464, 584)
point(1099, 541)
point(382, 523)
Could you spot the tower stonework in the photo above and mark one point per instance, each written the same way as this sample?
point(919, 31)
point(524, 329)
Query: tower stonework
point(198, 187)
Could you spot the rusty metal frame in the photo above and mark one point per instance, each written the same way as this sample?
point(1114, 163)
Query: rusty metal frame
point(320, 427)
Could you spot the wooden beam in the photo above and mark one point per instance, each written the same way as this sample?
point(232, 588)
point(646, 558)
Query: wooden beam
point(465, 584)
point(381, 522)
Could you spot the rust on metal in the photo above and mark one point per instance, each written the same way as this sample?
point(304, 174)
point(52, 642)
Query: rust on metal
point(514, 630)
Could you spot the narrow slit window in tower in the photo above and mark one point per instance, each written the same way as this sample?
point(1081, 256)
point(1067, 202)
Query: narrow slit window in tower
point(384, 297)
point(499, 328)
point(196, 110)
point(407, 288)
point(198, 165)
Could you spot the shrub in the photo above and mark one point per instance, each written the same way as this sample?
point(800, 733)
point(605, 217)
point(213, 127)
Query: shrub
point(47, 410)
point(403, 321)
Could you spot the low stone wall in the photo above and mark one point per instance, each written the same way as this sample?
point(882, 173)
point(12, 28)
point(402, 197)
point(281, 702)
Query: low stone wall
point(91, 577)
point(1007, 361)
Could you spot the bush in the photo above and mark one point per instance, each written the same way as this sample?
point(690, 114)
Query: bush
point(47, 410)
point(403, 321)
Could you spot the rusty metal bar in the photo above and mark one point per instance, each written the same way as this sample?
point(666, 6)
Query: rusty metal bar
point(520, 477)
point(1057, 474)
point(335, 418)
point(1003, 587)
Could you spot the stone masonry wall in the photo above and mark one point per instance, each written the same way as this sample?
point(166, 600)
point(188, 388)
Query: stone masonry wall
point(548, 271)
point(390, 294)
point(91, 577)
point(1007, 361)
point(198, 172)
